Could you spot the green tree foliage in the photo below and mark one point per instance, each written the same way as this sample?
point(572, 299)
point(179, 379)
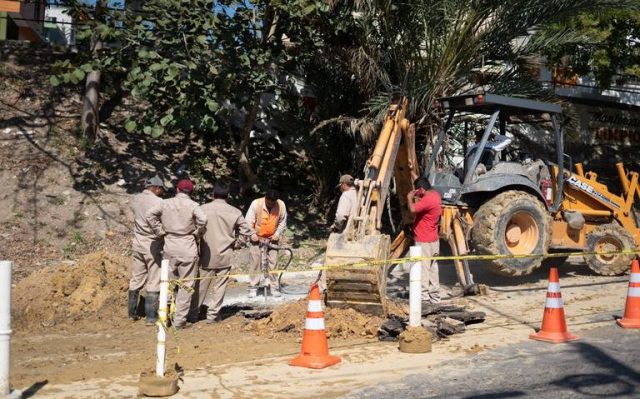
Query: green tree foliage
point(191, 63)
point(430, 49)
point(607, 45)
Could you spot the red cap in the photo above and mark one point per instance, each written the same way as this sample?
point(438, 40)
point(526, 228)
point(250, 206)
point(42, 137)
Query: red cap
point(185, 186)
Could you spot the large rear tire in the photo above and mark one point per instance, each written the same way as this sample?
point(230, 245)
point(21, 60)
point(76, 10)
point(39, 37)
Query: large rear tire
point(516, 223)
point(609, 238)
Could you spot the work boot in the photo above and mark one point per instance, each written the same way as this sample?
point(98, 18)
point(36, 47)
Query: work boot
point(151, 307)
point(133, 304)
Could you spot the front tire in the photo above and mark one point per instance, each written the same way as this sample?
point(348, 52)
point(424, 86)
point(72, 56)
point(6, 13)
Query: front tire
point(512, 223)
point(609, 238)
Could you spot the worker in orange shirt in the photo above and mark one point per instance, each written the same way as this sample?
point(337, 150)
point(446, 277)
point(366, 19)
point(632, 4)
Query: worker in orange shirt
point(267, 217)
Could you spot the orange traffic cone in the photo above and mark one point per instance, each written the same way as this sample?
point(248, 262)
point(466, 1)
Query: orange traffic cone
point(315, 349)
point(631, 317)
point(554, 326)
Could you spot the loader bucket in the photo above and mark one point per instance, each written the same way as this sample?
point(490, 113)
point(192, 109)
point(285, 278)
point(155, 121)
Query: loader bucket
point(359, 287)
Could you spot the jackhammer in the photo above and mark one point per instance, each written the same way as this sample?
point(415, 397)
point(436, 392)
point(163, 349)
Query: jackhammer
point(265, 245)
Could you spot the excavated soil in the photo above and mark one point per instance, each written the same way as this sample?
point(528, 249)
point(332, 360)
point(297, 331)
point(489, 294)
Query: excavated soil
point(339, 323)
point(93, 290)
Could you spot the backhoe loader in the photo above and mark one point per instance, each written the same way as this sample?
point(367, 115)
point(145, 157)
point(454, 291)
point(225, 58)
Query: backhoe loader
point(497, 203)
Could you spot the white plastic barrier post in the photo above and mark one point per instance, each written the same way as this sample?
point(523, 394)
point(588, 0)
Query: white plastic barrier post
point(415, 288)
point(162, 318)
point(5, 327)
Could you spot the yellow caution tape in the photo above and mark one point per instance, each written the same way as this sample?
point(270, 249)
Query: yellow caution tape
point(384, 262)
point(173, 283)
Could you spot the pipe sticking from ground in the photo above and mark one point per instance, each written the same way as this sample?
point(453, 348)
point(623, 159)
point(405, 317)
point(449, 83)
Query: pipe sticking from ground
point(415, 288)
point(6, 268)
point(161, 347)
point(161, 383)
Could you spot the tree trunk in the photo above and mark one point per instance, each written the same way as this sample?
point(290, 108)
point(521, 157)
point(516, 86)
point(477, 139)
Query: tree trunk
point(90, 121)
point(89, 117)
point(247, 175)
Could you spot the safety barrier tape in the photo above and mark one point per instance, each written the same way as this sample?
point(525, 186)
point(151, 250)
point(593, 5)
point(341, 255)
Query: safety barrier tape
point(385, 262)
point(318, 323)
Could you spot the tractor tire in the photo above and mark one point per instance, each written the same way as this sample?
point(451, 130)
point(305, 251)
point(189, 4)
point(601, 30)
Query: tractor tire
point(609, 238)
point(512, 222)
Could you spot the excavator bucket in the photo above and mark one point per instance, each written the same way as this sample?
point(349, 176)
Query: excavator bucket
point(359, 287)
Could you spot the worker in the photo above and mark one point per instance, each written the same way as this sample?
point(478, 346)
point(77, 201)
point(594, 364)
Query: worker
point(267, 218)
point(426, 205)
point(491, 154)
point(147, 253)
point(181, 222)
point(226, 230)
point(346, 204)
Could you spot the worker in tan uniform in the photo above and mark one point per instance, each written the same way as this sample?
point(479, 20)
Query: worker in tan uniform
point(147, 253)
point(346, 204)
point(226, 230)
point(267, 218)
point(181, 222)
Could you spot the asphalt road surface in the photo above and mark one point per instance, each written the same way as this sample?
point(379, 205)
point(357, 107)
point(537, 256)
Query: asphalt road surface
point(602, 364)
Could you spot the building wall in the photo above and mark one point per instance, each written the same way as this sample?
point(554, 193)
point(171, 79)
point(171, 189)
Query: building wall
point(23, 20)
point(58, 26)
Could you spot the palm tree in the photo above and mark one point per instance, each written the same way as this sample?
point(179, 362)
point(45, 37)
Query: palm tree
point(428, 49)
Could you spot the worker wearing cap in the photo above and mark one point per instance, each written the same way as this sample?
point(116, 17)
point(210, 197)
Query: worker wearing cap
point(226, 230)
point(346, 204)
point(147, 252)
point(267, 218)
point(426, 205)
point(181, 222)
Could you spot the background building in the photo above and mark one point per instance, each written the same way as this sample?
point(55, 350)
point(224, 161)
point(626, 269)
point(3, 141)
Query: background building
point(21, 20)
point(58, 26)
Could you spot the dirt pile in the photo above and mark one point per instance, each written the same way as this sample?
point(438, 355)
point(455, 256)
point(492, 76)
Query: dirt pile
point(415, 340)
point(92, 289)
point(339, 323)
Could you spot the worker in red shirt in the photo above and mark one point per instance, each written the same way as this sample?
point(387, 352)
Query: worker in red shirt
point(426, 205)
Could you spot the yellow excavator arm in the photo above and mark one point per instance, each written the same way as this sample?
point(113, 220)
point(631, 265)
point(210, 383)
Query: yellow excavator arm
point(394, 156)
point(363, 288)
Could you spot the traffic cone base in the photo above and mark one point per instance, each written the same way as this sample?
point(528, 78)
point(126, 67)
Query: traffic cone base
point(553, 337)
point(314, 353)
point(554, 326)
point(314, 362)
point(628, 323)
point(631, 317)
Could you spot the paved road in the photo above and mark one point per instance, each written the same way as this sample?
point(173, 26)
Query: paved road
point(603, 363)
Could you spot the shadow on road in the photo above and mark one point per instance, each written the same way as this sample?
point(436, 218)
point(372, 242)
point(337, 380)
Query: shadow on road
point(617, 378)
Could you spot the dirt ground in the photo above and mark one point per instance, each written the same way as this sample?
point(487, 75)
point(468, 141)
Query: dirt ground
point(83, 356)
point(71, 314)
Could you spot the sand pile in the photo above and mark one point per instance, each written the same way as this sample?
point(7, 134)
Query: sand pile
point(92, 289)
point(339, 323)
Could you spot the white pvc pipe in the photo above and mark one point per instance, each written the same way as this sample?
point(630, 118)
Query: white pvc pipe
point(161, 348)
point(5, 326)
point(415, 288)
